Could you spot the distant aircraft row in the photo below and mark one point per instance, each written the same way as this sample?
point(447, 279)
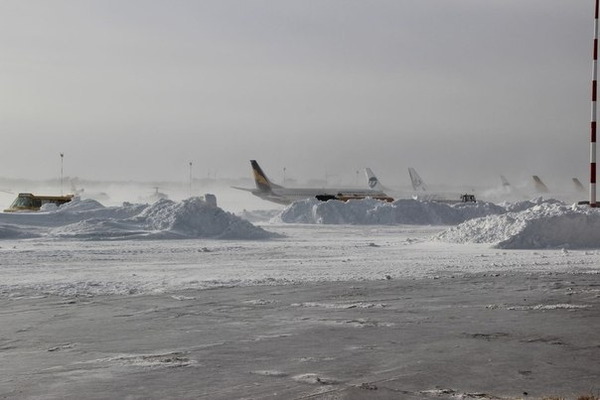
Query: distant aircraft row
point(267, 190)
point(421, 190)
point(542, 188)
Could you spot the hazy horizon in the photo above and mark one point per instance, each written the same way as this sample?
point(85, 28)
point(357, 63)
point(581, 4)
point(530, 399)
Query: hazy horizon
point(135, 90)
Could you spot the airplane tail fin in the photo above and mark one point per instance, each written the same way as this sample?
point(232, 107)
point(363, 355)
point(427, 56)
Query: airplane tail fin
point(539, 185)
point(372, 180)
point(417, 182)
point(263, 183)
point(578, 185)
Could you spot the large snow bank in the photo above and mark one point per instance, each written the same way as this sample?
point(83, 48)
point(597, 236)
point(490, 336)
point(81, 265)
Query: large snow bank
point(545, 225)
point(375, 212)
point(196, 218)
point(527, 204)
point(88, 219)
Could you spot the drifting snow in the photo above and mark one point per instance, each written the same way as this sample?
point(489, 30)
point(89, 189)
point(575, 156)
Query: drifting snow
point(545, 225)
point(165, 219)
point(525, 225)
point(255, 216)
point(375, 212)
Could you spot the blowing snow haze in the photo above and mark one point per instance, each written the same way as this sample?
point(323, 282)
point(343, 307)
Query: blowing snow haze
point(462, 90)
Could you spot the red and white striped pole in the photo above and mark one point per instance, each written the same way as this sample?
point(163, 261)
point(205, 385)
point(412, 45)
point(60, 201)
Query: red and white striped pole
point(593, 124)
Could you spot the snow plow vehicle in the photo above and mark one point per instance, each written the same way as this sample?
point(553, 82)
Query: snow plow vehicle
point(31, 202)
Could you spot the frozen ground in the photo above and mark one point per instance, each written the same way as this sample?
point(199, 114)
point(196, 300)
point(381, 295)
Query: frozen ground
point(324, 312)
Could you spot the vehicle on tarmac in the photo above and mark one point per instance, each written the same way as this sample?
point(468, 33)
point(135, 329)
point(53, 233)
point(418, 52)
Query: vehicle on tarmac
point(31, 202)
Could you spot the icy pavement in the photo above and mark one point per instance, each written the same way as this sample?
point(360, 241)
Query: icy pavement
point(479, 336)
point(324, 312)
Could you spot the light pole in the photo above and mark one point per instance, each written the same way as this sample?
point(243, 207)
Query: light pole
point(62, 157)
point(190, 179)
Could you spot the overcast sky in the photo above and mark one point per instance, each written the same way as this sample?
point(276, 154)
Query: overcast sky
point(458, 89)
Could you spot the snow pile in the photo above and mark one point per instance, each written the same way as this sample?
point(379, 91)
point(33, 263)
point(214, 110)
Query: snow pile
point(546, 225)
point(88, 219)
point(196, 218)
point(524, 205)
point(375, 212)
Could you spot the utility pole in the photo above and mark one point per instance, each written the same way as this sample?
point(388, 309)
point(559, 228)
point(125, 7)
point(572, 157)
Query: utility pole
point(62, 157)
point(190, 179)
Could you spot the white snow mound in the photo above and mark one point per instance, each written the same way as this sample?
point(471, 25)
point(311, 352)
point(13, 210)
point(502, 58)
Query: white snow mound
point(375, 212)
point(546, 225)
point(164, 219)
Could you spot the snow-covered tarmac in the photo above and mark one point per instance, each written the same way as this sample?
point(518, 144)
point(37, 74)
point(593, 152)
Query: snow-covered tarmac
point(326, 311)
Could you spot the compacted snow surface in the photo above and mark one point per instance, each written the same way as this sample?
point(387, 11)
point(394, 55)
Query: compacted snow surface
point(352, 300)
point(67, 250)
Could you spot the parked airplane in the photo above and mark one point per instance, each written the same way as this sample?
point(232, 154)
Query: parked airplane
point(578, 185)
point(507, 192)
point(373, 181)
point(417, 182)
point(505, 183)
point(267, 190)
point(539, 185)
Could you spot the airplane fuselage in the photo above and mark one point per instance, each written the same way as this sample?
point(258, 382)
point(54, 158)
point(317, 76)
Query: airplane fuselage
point(287, 196)
point(267, 190)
